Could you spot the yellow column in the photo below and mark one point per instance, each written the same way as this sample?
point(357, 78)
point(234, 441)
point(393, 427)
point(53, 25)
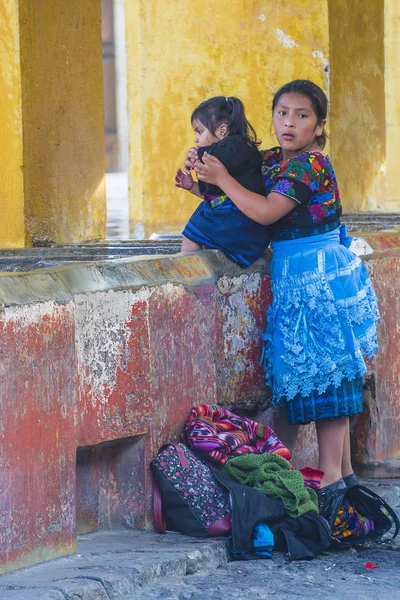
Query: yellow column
point(62, 100)
point(179, 54)
point(365, 102)
point(12, 227)
point(52, 147)
point(392, 103)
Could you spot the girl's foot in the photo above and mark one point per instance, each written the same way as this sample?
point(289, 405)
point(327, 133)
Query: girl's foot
point(350, 480)
point(336, 485)
point(328, 499)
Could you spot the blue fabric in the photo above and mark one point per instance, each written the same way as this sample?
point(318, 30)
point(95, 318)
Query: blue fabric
point(263, 542)
point(294, 233)
point(336, 402)
point(225, 228)
point(322, 321)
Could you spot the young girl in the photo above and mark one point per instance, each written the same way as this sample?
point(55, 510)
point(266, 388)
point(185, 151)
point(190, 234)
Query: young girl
point(323, 317)
point(222, 130)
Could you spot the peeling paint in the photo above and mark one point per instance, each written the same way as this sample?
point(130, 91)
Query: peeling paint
point(286, 40)
point(102, 339)
point(360, 246)
point(239, 324)
point(318, 54)
point(248, 39)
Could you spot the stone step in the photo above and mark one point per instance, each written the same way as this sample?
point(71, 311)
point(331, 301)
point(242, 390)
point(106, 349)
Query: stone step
point(137, 565)
point(113, 565)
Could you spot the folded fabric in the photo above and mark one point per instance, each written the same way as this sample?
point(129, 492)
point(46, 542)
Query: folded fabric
point(302, 537)
point(272, 475)
point(350, 522)
point(219, 435)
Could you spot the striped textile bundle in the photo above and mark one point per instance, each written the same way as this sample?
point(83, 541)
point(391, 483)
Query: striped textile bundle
point(218, 435)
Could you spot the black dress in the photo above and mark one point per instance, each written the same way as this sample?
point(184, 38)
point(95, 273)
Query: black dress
point(217, 222)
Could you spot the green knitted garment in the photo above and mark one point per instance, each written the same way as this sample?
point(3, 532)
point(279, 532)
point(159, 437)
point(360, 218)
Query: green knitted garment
point(273, 476)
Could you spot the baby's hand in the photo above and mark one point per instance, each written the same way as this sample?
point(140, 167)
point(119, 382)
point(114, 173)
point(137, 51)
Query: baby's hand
point(190, 159)
point(184, 180)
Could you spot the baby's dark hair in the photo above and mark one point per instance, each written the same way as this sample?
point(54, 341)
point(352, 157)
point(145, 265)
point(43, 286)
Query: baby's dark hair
point(218, 110)
point(313, 92)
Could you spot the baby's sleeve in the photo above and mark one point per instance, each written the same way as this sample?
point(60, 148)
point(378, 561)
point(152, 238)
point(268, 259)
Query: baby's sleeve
point(233, 152)
point(299, 177)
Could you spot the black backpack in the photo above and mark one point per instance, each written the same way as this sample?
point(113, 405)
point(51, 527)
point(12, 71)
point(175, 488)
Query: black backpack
point(368, 504)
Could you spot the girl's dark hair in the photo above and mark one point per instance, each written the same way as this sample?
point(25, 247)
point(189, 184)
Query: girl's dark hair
point(317, 97)
point(213, 112)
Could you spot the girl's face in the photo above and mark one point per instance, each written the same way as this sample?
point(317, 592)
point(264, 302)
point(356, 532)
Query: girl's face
point(204, 137)
point(296, 124)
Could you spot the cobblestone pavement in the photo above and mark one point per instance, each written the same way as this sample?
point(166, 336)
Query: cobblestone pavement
point(334, 576)
point(139, 565)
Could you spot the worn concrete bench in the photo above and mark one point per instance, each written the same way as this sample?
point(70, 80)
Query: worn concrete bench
point(101, 361)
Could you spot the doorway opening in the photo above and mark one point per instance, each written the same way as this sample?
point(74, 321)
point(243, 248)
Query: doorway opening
point(110, 489)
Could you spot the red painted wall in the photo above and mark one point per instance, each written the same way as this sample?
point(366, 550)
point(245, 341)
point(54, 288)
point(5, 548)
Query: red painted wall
point(101, 364)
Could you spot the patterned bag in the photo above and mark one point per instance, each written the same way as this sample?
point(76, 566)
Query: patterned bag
point(187, 497)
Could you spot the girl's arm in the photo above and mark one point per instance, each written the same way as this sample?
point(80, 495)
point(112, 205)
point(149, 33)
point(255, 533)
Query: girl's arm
point(195, 190)
point(263, 210)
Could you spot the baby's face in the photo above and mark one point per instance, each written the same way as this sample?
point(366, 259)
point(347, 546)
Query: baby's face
point(203, 137)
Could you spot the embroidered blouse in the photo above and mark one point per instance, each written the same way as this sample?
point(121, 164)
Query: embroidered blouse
point(309, 179)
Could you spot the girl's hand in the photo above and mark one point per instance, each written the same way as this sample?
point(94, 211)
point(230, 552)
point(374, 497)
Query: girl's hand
point(211, 170)
point(190, 159)
point(184, 180)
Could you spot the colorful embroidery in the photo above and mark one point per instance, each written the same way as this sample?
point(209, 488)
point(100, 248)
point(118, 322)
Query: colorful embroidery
point(320, 204)
point(285, 186)
point(215, 201)
point(349, 522)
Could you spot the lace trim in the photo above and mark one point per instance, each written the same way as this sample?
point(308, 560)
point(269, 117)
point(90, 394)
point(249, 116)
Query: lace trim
point(352, 266)
point(324, 342)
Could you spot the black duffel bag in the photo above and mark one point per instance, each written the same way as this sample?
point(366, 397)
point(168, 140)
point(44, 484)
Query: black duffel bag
point(368, 504)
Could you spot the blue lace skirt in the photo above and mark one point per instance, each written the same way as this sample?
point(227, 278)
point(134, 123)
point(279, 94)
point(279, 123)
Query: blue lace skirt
point(321, 325)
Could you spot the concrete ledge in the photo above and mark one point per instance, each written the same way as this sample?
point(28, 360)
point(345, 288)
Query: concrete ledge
point(113, 565)
point(101, 364)
point(121, 565)
point(388, 489)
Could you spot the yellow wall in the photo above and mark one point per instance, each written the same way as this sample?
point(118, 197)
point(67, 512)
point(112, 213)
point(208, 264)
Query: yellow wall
point(180, 53)
point(52, 141)
point(358, 137)
point(392, 89)
point(62, 100)
point(12, 228)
